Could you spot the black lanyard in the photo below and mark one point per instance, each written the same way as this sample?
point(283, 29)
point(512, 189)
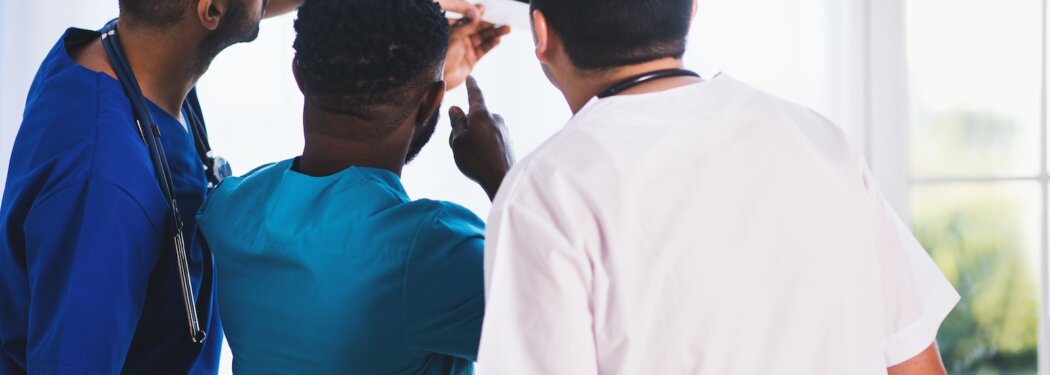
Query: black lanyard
point(645, 78)
point(215, 168)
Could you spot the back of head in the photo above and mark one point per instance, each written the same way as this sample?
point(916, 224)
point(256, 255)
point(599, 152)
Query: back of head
point(606, 34)
point(365, 58)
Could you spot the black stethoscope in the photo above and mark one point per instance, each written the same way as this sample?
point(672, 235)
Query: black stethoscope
point(216, 168)
point(645, 78)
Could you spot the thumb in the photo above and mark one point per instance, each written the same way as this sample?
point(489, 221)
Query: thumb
point(471, 12)
point(458, 119)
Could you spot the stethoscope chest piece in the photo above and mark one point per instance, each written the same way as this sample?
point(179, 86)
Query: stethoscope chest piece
point(219, 169)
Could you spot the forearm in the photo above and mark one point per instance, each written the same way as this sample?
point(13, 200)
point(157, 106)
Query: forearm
point(491, 186)
point(926, 363)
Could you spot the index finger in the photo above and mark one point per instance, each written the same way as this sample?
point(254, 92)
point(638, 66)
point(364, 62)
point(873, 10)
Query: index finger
point(474, 96)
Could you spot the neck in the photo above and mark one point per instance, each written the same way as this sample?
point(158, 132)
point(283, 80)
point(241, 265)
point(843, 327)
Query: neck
point(582, 86)
point(165, 63)
point(328, 152)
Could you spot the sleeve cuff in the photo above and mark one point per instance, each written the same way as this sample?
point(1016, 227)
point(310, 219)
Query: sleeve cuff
point(911, 341)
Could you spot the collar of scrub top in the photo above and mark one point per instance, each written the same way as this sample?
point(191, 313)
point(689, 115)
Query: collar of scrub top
point(150, 134)
point(645, 78)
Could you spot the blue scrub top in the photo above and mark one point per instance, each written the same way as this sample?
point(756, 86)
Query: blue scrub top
point(344, 274)
point(88, 278)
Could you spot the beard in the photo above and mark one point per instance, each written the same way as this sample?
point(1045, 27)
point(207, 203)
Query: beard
point(424, 137)
point(237, 27)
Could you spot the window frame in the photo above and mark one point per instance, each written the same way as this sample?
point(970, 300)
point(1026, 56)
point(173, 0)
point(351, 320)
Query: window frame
point(886, 136)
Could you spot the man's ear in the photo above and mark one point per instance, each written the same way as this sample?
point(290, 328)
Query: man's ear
point(696, 5)
point(431, 103)
point(210, 13)
point(295, 73)
point(541, 34)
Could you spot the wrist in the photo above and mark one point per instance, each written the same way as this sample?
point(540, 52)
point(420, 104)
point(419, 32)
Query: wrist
point(492, 184)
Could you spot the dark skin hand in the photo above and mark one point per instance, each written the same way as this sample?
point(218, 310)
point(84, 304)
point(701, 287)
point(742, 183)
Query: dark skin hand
point(479, 142)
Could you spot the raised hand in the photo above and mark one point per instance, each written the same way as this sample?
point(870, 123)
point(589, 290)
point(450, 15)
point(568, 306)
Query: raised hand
point(479, 142)
point(469, 41)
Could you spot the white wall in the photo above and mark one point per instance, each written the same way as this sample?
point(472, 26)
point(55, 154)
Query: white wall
point(804, 50)
point(798, 49)
point(27, 32)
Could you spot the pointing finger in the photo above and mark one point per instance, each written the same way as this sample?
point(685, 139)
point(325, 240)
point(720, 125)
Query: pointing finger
point(474, 95)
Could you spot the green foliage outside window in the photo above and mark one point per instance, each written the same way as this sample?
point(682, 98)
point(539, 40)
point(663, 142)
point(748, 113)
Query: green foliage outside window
point(984, 237)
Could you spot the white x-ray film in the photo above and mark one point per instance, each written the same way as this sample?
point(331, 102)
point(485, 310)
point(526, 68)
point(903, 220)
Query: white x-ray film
point(514, 13)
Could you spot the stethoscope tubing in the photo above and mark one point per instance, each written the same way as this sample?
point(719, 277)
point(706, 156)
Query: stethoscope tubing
point(629, 83)
point(151, 136)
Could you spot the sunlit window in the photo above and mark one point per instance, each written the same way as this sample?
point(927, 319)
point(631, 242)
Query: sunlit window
point(979, 178)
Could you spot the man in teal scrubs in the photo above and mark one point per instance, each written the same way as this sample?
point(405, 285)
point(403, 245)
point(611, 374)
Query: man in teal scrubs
point(325, 265)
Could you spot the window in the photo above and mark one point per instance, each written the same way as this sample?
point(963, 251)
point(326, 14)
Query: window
point(977, 77)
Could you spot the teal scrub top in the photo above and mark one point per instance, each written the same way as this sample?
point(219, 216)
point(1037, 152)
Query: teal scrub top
point(344, 274)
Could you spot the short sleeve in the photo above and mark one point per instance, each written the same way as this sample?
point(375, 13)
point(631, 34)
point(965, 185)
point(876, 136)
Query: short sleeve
point(444, 296)
point(90, 252)
point(917, 296)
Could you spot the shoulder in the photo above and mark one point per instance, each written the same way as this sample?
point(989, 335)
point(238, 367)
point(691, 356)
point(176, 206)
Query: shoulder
point(72, 138)
point(446, 225)
point(807, 140)
point(79, 120)
point(254, 183)
point(755, 106)
point(571, 163)
point(448, 217)
point(260, 174)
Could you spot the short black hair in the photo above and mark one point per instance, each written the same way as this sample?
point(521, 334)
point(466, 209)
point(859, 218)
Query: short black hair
point(355, 54)
point(156, 13)
point(605, 34)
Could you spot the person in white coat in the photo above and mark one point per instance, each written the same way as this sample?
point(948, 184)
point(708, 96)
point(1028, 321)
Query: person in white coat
point(678, 225)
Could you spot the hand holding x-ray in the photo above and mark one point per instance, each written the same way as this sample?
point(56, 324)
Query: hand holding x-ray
point(514, 13)
point(469, 41)
point(462, 7)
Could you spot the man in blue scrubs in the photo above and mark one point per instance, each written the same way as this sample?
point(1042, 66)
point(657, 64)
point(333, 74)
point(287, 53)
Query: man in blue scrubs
point(88, 279)
point(325, 265)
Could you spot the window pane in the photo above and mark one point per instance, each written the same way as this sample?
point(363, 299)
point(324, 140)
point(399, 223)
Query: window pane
point(985, 237)
point(974, 70)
